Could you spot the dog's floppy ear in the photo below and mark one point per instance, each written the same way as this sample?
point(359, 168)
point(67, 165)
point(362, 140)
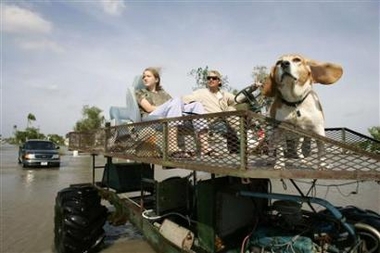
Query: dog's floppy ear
point(270, 87)
point(325, 72)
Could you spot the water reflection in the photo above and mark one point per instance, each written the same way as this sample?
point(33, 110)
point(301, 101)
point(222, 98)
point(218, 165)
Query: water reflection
point(28, 197)
point(28, 178)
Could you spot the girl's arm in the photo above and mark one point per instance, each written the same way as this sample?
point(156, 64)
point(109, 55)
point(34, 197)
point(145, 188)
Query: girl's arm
point(146, 106)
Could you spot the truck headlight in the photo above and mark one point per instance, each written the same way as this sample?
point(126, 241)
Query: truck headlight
point(56, 156)
point(30, 156)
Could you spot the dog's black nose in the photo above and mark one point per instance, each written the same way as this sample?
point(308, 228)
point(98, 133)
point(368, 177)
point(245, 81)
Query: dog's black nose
point(285, 64)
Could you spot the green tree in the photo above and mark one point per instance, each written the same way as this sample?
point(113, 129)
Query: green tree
point(92, 119)
point(375, 132)
point(200, 75)
point(29, 133)
point(59, 140)
point(372, 145)
point(260, 74)
point(30, 118)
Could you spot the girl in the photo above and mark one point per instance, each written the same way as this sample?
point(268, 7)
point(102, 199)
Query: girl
point(155, 103)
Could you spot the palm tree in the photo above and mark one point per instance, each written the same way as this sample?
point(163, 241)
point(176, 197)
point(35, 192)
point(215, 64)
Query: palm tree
point(30, 118)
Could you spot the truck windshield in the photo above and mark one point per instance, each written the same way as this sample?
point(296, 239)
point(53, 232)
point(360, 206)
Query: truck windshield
point(39, 145)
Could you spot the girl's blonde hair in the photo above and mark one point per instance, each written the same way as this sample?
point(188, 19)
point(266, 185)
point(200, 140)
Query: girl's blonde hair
point(156, 74)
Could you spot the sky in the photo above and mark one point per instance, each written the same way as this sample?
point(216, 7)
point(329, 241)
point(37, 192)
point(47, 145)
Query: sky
point(57, 56)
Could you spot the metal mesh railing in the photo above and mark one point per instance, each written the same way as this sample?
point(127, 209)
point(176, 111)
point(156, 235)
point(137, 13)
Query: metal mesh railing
point(353, 138)
point(240, 143)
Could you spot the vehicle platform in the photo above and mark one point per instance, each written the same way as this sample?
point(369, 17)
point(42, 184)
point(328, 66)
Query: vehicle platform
point(242, 143)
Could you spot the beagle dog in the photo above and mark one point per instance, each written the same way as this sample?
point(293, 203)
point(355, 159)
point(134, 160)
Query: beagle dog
point(290, 84)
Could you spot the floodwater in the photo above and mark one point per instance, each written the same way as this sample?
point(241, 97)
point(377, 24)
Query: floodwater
point(27, 205)
point(28, 196)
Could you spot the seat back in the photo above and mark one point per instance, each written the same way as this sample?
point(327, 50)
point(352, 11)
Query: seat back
point(132, 105)
point(120, 115)
point(131, 112)
point(138, 83)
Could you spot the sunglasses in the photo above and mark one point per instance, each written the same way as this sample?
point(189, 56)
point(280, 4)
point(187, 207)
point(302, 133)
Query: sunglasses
point(212, 78)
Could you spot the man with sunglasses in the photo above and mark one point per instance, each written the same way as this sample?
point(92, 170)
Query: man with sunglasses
point(214, 99)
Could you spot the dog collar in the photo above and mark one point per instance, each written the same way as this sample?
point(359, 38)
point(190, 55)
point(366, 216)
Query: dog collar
point(294, 104)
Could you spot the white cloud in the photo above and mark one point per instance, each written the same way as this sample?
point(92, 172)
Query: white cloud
point(113, 7)
point(42, 44)
point(19, 20)
point(49, 88)
point(101, 56)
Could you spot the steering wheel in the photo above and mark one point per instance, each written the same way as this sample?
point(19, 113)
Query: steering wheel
point(251, 95)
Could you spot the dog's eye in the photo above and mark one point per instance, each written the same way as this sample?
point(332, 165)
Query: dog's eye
point(297, 60)
point(278, 62)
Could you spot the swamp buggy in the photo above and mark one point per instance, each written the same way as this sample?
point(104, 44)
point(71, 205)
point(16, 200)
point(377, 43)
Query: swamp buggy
point(225, 203)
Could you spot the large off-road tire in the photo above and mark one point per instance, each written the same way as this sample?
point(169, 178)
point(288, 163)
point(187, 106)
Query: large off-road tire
point(79, 220)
